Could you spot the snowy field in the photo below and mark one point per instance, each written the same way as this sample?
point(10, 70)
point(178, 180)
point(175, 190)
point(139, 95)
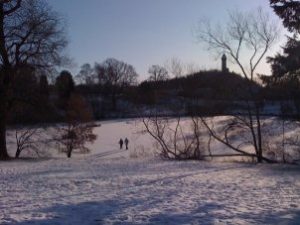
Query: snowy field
point(109, 186)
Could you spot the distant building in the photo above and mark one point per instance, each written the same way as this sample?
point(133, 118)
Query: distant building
point(224, 64)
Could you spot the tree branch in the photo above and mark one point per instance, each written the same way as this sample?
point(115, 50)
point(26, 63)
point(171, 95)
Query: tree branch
point(13, 9)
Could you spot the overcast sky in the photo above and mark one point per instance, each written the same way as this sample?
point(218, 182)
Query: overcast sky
point(145, 32)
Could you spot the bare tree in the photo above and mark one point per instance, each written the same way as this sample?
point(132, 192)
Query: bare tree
point(158, 73)
point(253, 31)
point(176, 140)
point(78, 128)
point(25, 140)
point(116, 75)
point(86, 75)
point(192, 68)
point(175, 67)
point(256, 33)
point(31, 33)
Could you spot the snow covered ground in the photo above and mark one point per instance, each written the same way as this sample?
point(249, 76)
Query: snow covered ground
point(127, 191)
point(109, 186)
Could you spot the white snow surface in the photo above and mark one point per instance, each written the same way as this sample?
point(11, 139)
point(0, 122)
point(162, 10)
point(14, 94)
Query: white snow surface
point(112, 186)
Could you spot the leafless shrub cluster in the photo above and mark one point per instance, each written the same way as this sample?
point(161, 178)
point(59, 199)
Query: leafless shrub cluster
point(25, 140)
point(141, 151)
point(282, 145)
point(173, 138)
point(33, 140)
point(237, 133)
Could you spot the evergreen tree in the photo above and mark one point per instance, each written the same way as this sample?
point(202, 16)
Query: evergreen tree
point(289, 61)
point(44, 87)
point(64, 84)
point(289, 12)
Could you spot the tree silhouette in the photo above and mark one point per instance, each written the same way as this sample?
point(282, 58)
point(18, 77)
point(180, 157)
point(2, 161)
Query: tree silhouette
point(86, 75)
point(289, 12)
point(78, 128)
point(115, 75)
point(44, 88)
point(289, 61)
point(286, 66)
point(257, 33)
point(158, 73)
point(64, 84)
point(31, 33)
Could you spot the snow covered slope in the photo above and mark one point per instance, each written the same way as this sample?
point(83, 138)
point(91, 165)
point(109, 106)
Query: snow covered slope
point(142, 144)
point(135, 191)
point(109, 186)
point(105, 146)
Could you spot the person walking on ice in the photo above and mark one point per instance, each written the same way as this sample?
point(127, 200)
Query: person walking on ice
point(126, 143)
point(121, 143)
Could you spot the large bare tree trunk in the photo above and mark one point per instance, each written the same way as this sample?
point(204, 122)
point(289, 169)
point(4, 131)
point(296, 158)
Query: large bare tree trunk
point(3, 150)
point(69, 154)
point(3, 80)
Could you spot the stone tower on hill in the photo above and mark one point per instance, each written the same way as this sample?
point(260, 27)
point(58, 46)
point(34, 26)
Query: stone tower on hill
point(224, 64)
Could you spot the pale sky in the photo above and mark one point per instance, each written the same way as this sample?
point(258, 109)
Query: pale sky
point(145, 32)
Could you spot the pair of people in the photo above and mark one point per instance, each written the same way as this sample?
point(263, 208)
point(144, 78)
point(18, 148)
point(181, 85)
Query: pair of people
point(126, 141)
